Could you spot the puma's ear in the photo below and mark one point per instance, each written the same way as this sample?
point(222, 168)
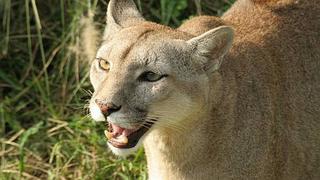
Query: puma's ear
point(211, 46)
point(121, 14)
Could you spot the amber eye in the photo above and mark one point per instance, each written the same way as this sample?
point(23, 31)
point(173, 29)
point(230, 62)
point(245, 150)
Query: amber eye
point(104, 64)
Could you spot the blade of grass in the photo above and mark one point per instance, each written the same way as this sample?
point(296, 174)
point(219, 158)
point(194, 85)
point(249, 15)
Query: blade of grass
point(139, 5)
point(23, 140)
point(29, 38)
point(7, 23)
point(163, 4)
point(37, 78)
point(123, 176)
point(198, 7)
point(2, 133)
point(10, 80)
point(45, 98)
point(39, 34)
point(63, 27)
point(169, 11)
point(139, 155)
point(78, 87)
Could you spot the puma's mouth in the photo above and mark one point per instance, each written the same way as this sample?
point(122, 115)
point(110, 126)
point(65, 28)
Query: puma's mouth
point(123, 138)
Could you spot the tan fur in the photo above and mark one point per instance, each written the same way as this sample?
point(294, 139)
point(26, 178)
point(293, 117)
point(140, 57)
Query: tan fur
point(257, 117)
point(201, 24)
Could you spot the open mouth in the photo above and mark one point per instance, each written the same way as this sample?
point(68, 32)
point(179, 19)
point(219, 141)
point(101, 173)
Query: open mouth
point(124, 138)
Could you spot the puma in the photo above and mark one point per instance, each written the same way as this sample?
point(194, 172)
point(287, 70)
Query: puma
point(236, 97)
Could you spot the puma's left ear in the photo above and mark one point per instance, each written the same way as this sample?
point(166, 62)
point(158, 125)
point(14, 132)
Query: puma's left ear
point(121, 14)
point(211, 46)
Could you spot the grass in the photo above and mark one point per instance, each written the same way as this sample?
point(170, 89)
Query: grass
point(45, 132)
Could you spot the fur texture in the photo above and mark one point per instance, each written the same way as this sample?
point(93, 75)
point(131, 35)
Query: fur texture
point(255, 117)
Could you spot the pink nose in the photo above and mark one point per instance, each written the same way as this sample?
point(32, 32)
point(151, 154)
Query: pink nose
point(107, 108)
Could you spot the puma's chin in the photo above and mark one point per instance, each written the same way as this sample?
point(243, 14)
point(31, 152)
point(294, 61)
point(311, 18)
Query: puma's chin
point(124, 151)
point(123, 141)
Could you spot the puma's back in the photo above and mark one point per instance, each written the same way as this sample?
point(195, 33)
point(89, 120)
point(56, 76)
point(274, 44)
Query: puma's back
point(274, 68)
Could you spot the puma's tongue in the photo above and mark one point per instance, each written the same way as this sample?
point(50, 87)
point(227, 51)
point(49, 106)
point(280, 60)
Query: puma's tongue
point(117, 135)
point(117, 130)
point(124, 138)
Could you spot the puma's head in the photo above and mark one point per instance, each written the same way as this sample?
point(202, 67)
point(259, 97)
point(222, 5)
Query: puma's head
point(148, 76)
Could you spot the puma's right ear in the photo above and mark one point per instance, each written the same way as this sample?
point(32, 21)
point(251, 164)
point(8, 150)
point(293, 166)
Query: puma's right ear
point(212, 46)
point(121, 14)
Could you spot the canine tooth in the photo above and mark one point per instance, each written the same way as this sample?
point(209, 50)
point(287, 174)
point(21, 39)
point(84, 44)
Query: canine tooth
point(122, 139)
point(108, 134)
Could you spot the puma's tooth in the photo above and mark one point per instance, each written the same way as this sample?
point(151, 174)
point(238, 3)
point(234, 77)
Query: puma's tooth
point(122, 139)
point(108, 134)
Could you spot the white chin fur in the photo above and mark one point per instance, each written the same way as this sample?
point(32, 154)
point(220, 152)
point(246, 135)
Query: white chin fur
point(124, 152)
point(95, 113)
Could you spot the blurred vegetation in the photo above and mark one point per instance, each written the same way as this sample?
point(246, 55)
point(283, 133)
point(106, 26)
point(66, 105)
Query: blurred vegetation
point(45, 132)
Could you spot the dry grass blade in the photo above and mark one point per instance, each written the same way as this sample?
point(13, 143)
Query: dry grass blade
point(24, 174)
point(15, 136)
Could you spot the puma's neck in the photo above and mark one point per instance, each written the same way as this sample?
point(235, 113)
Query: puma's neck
point(171, 154)
point(182, 155)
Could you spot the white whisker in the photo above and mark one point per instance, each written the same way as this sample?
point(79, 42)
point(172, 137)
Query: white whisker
point(166, 124)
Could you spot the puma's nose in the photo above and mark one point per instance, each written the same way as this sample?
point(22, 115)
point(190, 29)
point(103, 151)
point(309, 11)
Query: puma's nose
point(107, 108)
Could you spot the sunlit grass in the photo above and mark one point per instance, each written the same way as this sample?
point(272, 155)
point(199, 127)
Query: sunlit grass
point(45, 132)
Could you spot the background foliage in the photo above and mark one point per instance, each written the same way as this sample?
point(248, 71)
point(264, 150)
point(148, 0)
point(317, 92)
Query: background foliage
point(45, 132)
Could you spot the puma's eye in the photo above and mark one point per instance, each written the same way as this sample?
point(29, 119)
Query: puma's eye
point(151, 76)
point(104, 64)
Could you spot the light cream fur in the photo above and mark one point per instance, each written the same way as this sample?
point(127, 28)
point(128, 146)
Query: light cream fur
point(249, 112)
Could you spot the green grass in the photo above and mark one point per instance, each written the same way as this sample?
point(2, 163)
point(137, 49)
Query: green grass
point(45, 132)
